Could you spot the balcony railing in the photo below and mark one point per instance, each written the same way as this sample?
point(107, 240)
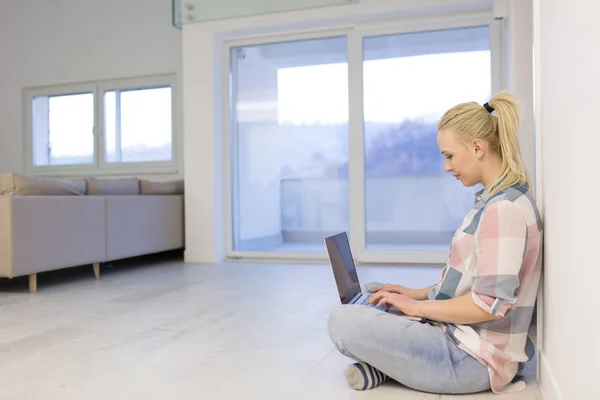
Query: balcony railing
point(407, 211)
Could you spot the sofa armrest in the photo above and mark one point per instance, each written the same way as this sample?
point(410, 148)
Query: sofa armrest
point(5, 237)
point(50, 232)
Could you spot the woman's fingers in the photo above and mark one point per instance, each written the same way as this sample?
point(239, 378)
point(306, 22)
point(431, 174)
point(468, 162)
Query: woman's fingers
point(374, 297)
point(385, 287)
point(377, 298)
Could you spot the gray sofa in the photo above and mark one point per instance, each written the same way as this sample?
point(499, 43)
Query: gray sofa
point(48, 224)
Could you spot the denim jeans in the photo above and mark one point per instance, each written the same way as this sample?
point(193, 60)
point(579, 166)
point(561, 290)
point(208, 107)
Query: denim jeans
point(418, 355)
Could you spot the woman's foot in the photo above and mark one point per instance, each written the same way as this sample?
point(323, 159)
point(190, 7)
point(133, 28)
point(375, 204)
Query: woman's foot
point(361, 376)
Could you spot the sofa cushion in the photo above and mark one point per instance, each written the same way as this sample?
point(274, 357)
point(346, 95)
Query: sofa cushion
point(161, 188)
point(78, 183)
point(112, 187)
point(138, 225)
point(13, 184)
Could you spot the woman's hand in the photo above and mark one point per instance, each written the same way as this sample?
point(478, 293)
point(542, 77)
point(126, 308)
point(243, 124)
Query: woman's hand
point(415, 294)
point(391, 288)
point(403, 303)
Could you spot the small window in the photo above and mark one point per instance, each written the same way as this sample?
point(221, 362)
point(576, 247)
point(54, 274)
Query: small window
point(102, 128)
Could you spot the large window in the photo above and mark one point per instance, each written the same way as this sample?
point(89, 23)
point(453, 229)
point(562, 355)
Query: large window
point(294, 122)
point(104, 127)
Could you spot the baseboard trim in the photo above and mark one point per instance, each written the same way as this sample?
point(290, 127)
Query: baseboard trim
point(199, 256)
point(548, 384)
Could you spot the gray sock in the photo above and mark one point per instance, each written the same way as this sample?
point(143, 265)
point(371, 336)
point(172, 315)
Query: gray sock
point(361, 376)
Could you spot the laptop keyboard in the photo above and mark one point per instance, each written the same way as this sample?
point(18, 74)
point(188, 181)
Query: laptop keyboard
point(364, 297)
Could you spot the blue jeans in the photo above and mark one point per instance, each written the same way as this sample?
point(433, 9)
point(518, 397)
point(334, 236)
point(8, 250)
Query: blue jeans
point(417, 355)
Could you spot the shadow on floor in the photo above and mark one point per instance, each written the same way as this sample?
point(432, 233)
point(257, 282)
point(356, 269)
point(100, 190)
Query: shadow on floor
point(63, 277)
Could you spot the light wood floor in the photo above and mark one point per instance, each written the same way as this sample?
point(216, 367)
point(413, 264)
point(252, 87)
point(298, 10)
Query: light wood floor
point(165, 330)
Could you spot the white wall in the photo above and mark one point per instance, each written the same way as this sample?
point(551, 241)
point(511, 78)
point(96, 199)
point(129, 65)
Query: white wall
point(567, 87)
point(68, 41)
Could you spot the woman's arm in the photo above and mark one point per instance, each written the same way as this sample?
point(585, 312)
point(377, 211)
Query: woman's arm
point(494, 282)
point(459, 310)
point(415, 294)
point(419, 294)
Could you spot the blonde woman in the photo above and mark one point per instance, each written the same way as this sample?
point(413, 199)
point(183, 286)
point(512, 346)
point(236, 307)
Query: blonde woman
point(468, 332)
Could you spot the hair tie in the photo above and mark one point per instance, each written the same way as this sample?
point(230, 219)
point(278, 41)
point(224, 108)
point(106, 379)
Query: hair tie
point(489, 108)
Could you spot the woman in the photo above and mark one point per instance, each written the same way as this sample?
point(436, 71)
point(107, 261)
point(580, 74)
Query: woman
point(468, 332)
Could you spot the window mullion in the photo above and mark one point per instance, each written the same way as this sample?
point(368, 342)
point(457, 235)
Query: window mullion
point(48, 144)
point(99, 127)
point(356, 144)
point(118, 153)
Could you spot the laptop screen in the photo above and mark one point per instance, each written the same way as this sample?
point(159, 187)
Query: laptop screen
point(343, 266)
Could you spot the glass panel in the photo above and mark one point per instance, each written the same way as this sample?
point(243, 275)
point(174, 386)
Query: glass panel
point(63, 129)
point(138, 125)
point(410, 80)
point(289, 144)
point(191, 11)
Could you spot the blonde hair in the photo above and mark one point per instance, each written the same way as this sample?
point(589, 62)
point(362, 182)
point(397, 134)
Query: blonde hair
point(501, 131)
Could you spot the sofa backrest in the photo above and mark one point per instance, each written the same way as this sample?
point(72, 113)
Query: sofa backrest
point(14, 184)
point(113, 187)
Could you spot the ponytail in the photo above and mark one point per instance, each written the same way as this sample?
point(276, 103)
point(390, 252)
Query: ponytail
point(501, 132)
point(507, 130)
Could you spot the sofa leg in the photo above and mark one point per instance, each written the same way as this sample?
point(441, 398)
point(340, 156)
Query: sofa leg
point(33, 283)
point(97, 270)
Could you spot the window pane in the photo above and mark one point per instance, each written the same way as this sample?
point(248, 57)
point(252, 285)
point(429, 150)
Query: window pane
point(290, 144)
point(63, 129)
point(410, 80)
point(138, 125)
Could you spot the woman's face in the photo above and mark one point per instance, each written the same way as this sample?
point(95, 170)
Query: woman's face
point(461, 158)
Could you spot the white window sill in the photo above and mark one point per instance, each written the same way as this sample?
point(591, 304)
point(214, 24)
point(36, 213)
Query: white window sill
point(117, 170)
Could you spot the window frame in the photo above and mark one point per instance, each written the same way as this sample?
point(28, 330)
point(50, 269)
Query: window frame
point(99, 165)
point(357, 134)
point(355, 32)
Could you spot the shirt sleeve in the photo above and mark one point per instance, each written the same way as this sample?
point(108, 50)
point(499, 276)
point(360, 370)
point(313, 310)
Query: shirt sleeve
point(501, 242)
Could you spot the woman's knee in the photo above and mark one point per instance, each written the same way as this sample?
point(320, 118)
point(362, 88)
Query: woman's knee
point(341, 327)
point(338, 321)
point(345, 321)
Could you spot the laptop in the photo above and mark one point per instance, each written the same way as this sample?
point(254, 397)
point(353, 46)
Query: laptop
point(344, 272)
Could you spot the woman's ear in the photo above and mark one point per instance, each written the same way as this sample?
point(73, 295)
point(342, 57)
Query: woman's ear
point(478, 148)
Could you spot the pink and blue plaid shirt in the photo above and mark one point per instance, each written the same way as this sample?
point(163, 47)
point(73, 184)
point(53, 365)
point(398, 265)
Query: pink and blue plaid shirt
point(496, 258)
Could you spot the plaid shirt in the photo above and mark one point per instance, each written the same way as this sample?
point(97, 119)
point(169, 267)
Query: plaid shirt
point(496, 258)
